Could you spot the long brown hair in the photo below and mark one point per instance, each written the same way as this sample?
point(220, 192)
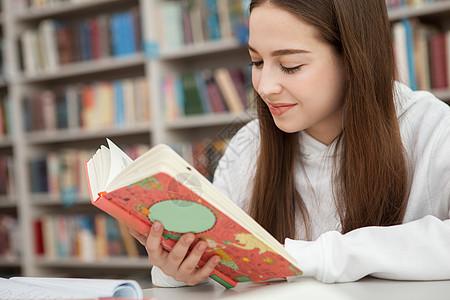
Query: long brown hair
point(370, 173)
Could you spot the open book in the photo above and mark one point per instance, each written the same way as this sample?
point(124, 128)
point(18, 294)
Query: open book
point(67, 288)
point(161, 185)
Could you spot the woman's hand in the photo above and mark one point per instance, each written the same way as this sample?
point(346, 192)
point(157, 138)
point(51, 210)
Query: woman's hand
point(177, 263)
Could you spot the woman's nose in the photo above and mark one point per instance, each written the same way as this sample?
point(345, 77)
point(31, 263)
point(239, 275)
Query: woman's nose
point(269, 84)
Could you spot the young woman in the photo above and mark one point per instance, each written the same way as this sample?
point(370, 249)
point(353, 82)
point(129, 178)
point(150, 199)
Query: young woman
point(347, 168)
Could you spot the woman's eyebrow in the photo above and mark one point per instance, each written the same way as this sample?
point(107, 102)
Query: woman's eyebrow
point(283, 51)
point(289, 51)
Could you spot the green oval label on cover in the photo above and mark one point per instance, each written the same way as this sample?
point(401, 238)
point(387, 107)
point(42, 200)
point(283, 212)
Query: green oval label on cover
point(182, 216)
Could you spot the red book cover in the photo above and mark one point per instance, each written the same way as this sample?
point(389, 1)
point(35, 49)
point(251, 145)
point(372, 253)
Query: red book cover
point(38, 238)
point(438, 61)
point(217, 101)
point(94, 30)
point(180, 203)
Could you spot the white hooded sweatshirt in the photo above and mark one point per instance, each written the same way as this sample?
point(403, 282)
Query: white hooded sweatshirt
point(418, 249)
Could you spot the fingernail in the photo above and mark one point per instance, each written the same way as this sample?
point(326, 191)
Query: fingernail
point(216, 260)
point(156, 226)
point(189, 239)
point(201, 247)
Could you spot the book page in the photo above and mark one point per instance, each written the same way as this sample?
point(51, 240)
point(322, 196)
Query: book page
point(86, 287)
point(10, 289)
point(119, 161)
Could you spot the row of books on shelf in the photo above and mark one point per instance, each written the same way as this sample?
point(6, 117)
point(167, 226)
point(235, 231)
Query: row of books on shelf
point(408, 3)
point(10, 246)
point(423, 55)
point(5, 116)
point(100, 105)
point(207, 91)
point(62, 173)
point(20, 6)
point(204, 155)
point(196, 21)
point(86, 237)
point(56, 42)
point(7, 181)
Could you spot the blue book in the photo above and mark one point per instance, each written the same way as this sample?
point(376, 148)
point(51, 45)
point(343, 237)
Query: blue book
point(85, 40)
point(115, 31)
point(129, 34)
point(85, 223)
point(204, 96)
point(61, 110)
point(212, 20)
point(123, 36)
point(119, 105)
point(411, 54)
point(179, 96)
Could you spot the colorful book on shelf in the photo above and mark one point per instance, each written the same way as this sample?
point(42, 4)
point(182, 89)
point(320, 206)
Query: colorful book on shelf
point(161, 185)
point(438, 58)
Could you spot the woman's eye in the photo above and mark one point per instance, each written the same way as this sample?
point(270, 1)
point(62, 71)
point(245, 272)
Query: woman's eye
point(290, 70)
point(256, 63)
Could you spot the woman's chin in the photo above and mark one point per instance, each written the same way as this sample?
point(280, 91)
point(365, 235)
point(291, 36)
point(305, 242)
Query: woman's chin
point(288, 128)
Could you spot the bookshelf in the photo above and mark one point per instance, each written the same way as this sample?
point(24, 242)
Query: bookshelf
point(420, 32)
point(152, 61)
point(29, 144)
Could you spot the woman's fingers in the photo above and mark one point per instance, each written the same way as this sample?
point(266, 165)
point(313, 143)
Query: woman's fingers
point(156, 254)
point(202, 273)
point(178, 254)
point(177, 263)
point(191, 261)
point(188, 269)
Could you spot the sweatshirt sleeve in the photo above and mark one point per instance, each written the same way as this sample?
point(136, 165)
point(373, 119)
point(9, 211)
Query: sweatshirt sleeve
point(417, 250)
point(162, 280)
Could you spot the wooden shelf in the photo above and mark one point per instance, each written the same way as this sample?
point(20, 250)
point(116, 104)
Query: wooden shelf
point(209, 120)
point(110, 263)
point(45, 199)
point(66, 8)
point(8, 202)
point(201, 49)
point(5, 142)
point(3, 82)
point(10, 262)
point(70, 135)
point(88, 68)
point(419, 10)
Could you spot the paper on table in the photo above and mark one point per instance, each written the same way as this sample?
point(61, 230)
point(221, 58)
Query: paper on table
point(10, 289)
point(70, 288)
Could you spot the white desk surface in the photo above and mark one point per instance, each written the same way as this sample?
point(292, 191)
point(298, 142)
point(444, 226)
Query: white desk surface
point(365, 289)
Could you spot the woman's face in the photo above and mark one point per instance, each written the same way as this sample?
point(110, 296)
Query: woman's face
point(298, 76)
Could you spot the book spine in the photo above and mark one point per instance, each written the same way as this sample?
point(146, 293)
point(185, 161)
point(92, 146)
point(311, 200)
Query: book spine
point(226, 86)
point(401, 54)
point(411, 54)
point(438, 61)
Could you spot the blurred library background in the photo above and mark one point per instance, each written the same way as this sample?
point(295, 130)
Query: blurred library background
point(140, 72)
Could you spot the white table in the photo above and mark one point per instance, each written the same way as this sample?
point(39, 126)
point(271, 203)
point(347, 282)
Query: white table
point(366, 289)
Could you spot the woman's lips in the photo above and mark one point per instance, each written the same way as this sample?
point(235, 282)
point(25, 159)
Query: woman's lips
point(280, 108)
